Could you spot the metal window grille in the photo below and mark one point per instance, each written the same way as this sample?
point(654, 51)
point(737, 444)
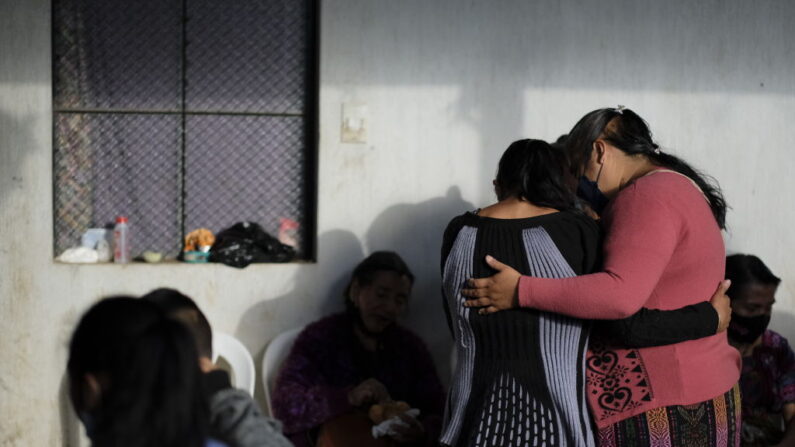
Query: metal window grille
point(183, 114)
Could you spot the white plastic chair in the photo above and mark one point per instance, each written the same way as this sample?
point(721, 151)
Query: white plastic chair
point(275, 354)
point(239, 359)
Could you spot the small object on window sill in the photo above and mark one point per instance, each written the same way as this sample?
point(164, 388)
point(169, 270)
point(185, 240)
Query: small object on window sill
point(121, 241)
point(92, 237)
point(152, 257)
point(104, 252)
point(195, 256)
point(288, 232)
point(246, 242)
point(79, 255)
point(199, 240)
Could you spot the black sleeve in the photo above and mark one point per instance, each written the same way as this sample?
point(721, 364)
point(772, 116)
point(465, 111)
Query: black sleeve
point(651, 327)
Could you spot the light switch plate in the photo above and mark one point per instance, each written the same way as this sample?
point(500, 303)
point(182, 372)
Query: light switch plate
point(355, 122)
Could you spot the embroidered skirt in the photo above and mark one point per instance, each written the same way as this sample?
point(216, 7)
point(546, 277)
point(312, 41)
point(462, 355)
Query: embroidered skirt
point(713, 423)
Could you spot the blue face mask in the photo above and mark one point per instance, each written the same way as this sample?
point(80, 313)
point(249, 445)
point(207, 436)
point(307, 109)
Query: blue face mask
point(588, 190)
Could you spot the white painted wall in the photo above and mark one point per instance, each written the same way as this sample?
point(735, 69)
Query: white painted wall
point(449, 84)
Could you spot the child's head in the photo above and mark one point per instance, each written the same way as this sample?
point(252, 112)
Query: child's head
point(183, 309)
point(134, 377)
point(533, 170)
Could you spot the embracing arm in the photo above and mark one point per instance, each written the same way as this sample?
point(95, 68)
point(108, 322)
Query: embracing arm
point(653, 327)
point(643, 234)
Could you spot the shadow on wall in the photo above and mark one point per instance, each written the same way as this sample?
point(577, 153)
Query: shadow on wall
point(318, 286)
point(415, 232)
point(412, 230)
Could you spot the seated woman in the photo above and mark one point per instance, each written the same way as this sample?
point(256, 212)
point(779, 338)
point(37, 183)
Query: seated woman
point(134, 378)
point(347, 362)
point(768, 375)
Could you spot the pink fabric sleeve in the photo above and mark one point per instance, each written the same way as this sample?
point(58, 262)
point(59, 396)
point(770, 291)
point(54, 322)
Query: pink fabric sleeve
point(642, 234)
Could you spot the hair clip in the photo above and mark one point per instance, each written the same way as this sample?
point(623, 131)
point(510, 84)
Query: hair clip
point(620, 109)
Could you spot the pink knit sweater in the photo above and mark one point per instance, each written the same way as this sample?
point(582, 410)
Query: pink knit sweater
point(663, 250)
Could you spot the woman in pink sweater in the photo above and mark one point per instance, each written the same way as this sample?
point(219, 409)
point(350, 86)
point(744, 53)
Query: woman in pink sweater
point(663, 250)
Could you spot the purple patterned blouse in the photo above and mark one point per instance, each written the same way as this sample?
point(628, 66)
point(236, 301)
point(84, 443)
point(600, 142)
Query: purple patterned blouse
point(328, 360)
point(767, 383)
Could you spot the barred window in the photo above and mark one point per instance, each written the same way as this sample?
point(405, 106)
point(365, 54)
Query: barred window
point(184, 114)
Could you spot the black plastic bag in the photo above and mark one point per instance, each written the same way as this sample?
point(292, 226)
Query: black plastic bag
point(246, 242)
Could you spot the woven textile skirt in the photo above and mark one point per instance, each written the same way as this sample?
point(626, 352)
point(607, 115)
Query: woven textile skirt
point(713, 423)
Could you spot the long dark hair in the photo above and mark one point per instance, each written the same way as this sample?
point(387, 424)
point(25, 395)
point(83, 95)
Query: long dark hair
point(147, 367)
point(535, 171)
point(627, 131)
point(744, 270)
point(364, 273)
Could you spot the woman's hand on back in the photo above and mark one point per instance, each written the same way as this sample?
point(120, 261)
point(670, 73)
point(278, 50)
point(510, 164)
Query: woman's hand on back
point(722, 305)
point(368, 392)
point(495, 293)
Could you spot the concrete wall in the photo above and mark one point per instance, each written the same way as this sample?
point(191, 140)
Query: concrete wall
point(448, 83)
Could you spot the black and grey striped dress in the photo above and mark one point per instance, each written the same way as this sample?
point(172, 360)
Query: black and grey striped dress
point(519, 378)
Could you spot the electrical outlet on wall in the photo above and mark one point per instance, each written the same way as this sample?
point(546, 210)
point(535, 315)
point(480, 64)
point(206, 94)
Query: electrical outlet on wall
point(354, 122)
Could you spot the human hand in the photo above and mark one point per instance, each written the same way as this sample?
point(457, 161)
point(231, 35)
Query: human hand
point(410, 433)
point(722, 305)
point(495, 293)
point(368, 392)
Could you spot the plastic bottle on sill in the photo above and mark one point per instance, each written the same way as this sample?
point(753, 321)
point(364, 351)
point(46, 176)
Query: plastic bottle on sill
point(121, 241)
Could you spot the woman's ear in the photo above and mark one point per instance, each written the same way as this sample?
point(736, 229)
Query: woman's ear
point(599, 152)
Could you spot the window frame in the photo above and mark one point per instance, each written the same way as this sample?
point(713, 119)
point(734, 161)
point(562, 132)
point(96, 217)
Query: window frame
point(311, 131)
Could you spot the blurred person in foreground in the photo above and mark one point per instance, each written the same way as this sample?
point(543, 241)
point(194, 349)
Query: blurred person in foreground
point(235, 417)
point(134, 380)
